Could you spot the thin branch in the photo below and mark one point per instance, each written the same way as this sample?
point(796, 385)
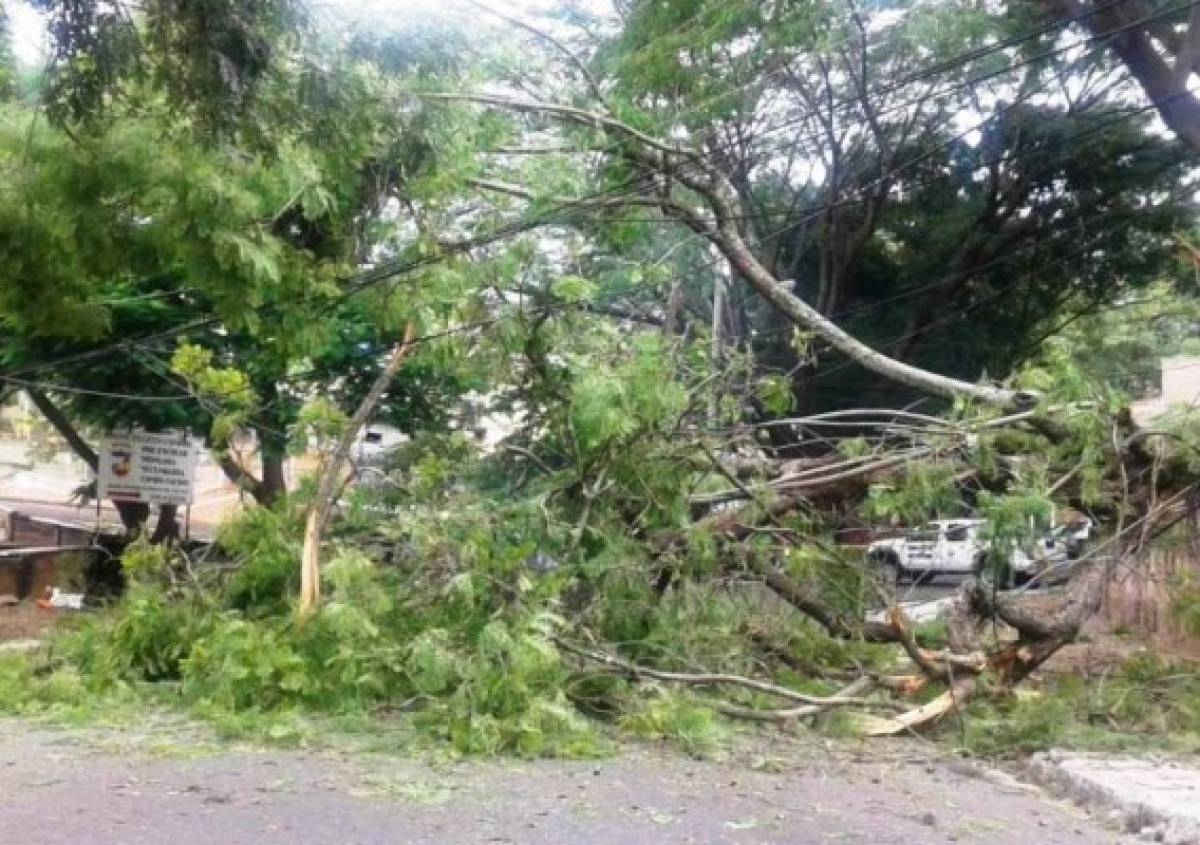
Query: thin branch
point(696, 679)
point(578, 63)
point(856, 688)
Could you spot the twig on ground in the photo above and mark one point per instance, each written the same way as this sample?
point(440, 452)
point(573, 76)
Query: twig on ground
point(711, 679)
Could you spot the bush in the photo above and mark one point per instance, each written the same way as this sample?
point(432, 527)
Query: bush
point(1147, 702)
point(482, 670)
point(265, 541)
point(143, 638)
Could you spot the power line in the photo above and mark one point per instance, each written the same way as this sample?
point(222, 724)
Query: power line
point(1101, 42)
point(964, 275)
point(374, 276)
point(62, 388)
point(964, 57)
point(896, 342)
point(817, 212)
point(854, 101)
point(370, 277)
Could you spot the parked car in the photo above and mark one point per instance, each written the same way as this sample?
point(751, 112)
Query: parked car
point(958, 546)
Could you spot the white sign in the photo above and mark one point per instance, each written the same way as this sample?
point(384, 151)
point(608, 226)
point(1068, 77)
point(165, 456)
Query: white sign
point(158, 469)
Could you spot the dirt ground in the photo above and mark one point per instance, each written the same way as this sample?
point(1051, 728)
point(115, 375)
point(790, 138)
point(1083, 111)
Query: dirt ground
point(1103, 648)
point(25, 621)
point(69, 787)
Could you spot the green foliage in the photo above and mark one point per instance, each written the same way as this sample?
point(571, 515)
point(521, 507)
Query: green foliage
point(776, 395)
point(208, 60)
point(510, 696)
point(1119, 348)
point(679, 718)
point(487, 676)
point(573, 289)
point(432, 666)
point(610, 404)
point(1025, 724)
point(1015, 518)
point(318, 423)
point(143, 561)
point(1186, 606)
point(25, 691)
point(237, 222)
point(146, 638)
point(1147, 702)
point(928, 490)
point(264, 541)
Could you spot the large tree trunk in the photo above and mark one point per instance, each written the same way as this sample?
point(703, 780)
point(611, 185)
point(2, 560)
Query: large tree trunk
point(1166, 85)
point(166, 530)
point(238, 474)
point(273, 484)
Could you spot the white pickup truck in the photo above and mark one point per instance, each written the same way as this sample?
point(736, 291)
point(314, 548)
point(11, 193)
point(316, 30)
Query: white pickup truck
point(957, 546)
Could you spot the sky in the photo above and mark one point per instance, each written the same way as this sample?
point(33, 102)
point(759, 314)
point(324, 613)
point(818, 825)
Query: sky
point(28, 33)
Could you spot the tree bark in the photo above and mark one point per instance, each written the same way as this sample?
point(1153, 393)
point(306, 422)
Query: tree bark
point(273, 484)
point(318, 512)
point(1165, 85)
point(835, 624)
point(723, 234)
point(167, 527)
point(268, 489)
point(239, 475)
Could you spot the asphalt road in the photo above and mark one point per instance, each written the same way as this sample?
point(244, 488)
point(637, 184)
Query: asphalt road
point(948, 585)
point(944, 585)
point(59, 788)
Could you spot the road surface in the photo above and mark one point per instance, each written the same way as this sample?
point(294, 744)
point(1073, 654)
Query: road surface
point(58, 788)
point(933, 597)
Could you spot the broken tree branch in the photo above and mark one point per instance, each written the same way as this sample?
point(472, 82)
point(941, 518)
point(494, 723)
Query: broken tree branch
point(690, 169)
point(318, 512)
point(635, 671)
point(857, 688)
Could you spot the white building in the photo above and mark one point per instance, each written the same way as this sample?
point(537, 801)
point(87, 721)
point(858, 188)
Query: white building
point(1180, 387)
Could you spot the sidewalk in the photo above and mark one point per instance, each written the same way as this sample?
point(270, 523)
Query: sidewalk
point(1157, 798)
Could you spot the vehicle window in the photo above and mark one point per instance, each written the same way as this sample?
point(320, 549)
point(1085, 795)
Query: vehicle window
point(956, 533)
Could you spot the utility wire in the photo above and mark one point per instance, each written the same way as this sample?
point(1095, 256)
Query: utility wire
point(368, 278)
point(856, 100)
point(373, 276)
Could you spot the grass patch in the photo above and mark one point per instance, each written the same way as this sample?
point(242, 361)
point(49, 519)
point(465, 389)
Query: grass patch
point(1148, 703)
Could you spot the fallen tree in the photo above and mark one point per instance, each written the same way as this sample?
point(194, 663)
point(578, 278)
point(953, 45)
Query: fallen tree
point(639, 528)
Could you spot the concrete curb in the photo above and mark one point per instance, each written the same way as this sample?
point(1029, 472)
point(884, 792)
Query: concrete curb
point(1155, 798)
